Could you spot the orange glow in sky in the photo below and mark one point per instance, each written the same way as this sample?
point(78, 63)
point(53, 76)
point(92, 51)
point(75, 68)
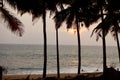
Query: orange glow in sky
point(74, 31)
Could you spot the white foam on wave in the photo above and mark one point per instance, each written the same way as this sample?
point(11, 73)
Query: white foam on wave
point(63, 70)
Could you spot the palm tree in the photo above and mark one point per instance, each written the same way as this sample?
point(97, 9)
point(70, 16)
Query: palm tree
point(63, 15)
point(57, 49)
point(101, 3)
point(104, 42)
point(110, 23)
point(77, 12)
point(37, 9)
point(114, 32)
point(113, 10)
point(14, 24)
point(60, 4)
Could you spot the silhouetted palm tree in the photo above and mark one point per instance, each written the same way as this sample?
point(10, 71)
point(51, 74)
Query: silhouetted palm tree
point(60, 5)
point(57, 49)
point(101, 4)
point(111, 24)
point(114, 32)
point(78, 11)
point(113, 10)
point(111, 21)
point(61, 16)
point(38, 8)
point(14, 24)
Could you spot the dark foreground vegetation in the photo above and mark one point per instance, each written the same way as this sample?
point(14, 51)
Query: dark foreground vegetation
point(111, 74)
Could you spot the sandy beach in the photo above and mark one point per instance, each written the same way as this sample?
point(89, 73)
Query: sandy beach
point(63, 76)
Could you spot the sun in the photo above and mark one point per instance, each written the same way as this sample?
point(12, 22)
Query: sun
point(74, 31)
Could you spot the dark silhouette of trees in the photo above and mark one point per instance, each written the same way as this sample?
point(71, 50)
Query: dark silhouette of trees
point(113, 11)
point(38, 9)
point(78, 11)
point(57, 49)
point(14, 24)
point(110, 22)
point(101, 4)
point(68, 15)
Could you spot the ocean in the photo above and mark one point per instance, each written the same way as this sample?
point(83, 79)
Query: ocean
point(28, 59)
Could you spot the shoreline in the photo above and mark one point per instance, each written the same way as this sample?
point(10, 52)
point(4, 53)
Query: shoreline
point(36, 76)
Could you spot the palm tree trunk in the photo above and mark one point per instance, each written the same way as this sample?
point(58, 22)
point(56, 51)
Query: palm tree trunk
point(1, 71)
point(57, 46)
point(79, 47)
point(45, 41)
point(116, 34)
point(104, 46)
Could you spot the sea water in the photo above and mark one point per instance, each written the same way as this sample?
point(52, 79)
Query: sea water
point(28, 59)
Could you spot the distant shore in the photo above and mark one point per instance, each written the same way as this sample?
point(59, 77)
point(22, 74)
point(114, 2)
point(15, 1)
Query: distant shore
point(39, 76)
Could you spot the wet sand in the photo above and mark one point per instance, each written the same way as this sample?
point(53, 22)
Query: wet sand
point(63, 76)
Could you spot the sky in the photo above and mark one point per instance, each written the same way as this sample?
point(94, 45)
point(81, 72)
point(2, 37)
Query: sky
point(33, 33)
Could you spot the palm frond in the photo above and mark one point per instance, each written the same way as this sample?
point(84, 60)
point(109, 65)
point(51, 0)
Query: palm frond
point(106, 25)
point(115, 29)
point(60, 17)
point(14, 24)
point(70, 19)
point(30, 6)
point(98, 31)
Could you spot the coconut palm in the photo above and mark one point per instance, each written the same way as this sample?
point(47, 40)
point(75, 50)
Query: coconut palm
point(14, 24)
point(60, 3)
point(103, 40)
point(113, 10)
point(38, 8)
point(57, 49)
point(115, 30)
point(78, 11)
point(61, 16)
point(111, 22)
point(101, 3)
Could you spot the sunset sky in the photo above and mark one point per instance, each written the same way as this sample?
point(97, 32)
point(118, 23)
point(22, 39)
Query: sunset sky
point(34, 34)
